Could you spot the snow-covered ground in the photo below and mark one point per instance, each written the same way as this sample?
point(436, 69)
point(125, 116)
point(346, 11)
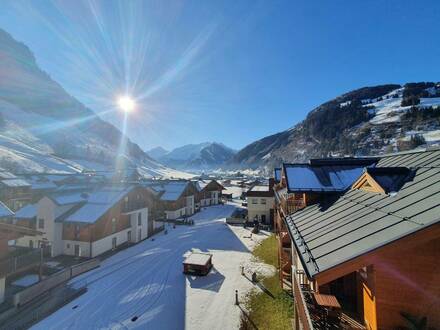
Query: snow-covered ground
point(146, 281)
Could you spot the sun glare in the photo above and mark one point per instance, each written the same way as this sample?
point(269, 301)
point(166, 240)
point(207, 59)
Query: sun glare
point(126, 103)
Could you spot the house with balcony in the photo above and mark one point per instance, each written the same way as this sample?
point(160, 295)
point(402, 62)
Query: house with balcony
point(15, 260)
point(304, 184)
point(15, 192)
point(176, 197)
point(209, 193)
point(364, 258)
point(88, 223)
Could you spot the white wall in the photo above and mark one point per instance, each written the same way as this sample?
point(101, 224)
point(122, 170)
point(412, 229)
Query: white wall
point(189, 205)
point(69, 248)
point(214, 197)
point(135, 227)
point(24, 241)
point(171, 215)
point(105, 244)
point(259, 209)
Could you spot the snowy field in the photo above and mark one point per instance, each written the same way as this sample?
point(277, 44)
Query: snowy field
point(146, 281)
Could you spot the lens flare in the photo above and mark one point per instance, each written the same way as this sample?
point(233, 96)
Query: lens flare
point(126, 103)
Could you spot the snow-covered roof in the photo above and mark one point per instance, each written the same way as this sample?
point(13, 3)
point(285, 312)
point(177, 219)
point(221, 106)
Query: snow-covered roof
point(171, 190)
point(95, 204)
point(259, 188)
point(27, 212)
point(15, 183)
point(201, 184)
point(5, 211)
point(197, 258)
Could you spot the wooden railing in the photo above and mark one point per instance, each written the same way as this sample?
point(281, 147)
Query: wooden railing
point(291, 205)
point(132, 206)
point(302, 312)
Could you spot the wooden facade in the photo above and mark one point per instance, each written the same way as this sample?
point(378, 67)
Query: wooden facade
point(137, 198)
point(205, 193)
point(381, 288)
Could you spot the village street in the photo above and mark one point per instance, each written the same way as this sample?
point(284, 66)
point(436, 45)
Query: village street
point(143, 287)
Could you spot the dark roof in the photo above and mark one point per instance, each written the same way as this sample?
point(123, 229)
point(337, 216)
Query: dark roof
point(321, 178)
point(363, 161)
point(390, 178)
point(360, 221)
point(277, 174)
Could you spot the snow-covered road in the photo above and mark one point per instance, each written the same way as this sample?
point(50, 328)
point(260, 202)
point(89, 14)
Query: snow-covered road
point(146, 281)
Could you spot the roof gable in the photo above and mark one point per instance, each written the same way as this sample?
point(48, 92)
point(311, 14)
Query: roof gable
point(360, 221)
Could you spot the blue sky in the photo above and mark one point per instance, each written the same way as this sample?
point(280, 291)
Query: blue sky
point(226, 71)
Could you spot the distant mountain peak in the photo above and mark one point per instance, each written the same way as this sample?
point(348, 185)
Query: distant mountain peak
point(199, 156)
point(157, 152)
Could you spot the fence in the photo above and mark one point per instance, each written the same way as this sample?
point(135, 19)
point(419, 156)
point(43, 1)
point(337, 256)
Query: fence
point(20, 262)
point(52, 281)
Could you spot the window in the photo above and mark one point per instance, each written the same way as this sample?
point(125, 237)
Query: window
point(40, 223)
point(139, 219)
point(262, 201)
point(77, 232)
point(31, 244)
point(68, 246)
point(113, 225)
point(254, 201)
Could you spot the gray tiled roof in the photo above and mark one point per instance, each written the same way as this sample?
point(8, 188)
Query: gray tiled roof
point(360, 221)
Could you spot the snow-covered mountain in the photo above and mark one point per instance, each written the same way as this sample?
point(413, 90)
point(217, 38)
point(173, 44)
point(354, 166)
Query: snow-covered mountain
point(157, 152)
point(366, 121)
point(202, 156)
point(44, 129)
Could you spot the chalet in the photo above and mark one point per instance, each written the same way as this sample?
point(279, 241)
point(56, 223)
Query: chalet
point(176, 197)
point(11, 260)
point(362, 254)
point(15, 192)
point(260, 204)
point(209, 193)
point(89, 223)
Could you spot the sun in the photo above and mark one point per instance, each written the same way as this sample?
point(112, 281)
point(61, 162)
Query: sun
point(126, 103)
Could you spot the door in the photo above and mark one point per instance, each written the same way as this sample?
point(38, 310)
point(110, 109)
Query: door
point(129, 236)
point(139, 234)
point(77, 250)
point(263, 218)
point(114, 243)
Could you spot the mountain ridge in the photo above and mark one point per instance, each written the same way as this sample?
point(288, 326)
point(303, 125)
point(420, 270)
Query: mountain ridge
point(45, 129)
point(200, 156)
point(365, 121)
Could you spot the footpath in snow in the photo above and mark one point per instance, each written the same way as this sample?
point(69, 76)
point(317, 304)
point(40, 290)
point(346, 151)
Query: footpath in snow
point(143, 287)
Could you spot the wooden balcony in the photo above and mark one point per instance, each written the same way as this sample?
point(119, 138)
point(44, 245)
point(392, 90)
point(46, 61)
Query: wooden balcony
point(309, 315)
point(290, 206)
point(131, 207)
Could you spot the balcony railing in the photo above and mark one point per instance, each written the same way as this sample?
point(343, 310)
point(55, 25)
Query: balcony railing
point(312, 316)
point(291, 205)
point(132, 206)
